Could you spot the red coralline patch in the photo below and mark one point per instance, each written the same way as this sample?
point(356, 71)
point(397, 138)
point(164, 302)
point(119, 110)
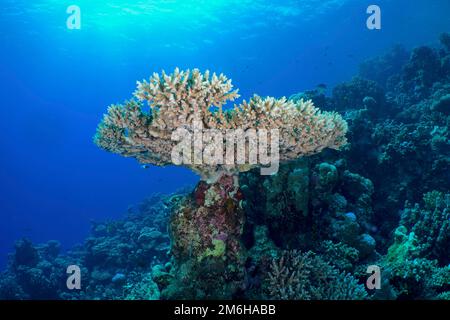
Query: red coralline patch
point(227, 182)
point(239, 195)
point(199, 193)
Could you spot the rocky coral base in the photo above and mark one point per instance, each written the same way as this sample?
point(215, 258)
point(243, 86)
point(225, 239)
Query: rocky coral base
point(206, 232)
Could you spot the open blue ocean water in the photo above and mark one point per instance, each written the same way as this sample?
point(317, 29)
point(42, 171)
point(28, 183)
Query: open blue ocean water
point(56, 82)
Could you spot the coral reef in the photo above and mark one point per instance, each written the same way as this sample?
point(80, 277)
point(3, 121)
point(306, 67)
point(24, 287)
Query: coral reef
point(34, 272)
point(380, 69)
point(116, 260)
point(430, 225)
point(359, 93)
point(409, 275)
point(306, 203)
point(308, 232)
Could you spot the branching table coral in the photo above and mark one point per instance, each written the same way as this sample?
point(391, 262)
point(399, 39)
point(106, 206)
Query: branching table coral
point(185, 100)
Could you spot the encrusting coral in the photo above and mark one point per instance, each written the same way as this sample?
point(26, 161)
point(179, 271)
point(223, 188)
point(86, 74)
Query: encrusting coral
point(190, 100)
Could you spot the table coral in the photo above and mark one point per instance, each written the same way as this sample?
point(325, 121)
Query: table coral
point(184, 99)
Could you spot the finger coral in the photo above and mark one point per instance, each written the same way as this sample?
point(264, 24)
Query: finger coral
point(189, 99)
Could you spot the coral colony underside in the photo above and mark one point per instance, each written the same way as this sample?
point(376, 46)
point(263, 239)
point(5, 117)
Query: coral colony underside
point(365, 182)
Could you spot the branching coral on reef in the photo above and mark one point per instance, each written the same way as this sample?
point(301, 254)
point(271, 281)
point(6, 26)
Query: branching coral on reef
point(306, 276)
point(187, 99)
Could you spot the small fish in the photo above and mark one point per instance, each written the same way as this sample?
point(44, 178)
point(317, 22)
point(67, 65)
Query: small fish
point(322, 86)
point(145, 166)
